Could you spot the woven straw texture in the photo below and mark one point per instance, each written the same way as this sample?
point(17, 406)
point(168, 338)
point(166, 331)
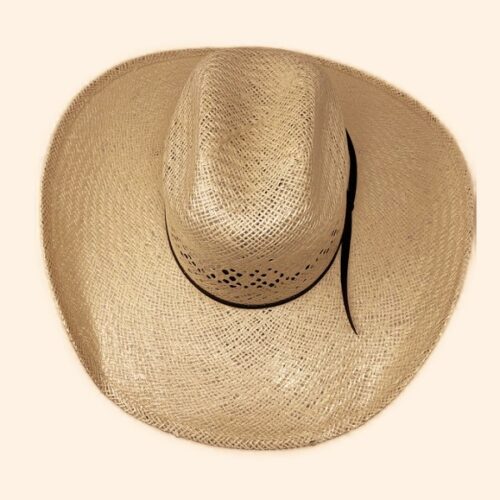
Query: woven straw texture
point(203, 139)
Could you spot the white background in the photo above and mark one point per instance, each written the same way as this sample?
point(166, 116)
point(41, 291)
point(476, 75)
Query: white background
point(61, 439)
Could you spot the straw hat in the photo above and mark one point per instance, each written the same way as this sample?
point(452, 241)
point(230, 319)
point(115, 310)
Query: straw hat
point(251, 247)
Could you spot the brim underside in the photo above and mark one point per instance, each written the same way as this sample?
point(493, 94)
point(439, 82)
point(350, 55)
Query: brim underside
point(280, 377)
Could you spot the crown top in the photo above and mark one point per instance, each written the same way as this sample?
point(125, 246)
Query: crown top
point(255, 175)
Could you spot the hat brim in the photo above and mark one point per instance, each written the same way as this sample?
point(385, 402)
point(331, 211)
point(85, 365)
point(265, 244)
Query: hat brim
point(279, 377)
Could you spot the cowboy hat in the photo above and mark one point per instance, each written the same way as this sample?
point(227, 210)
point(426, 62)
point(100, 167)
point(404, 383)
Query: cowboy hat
point(253, 247)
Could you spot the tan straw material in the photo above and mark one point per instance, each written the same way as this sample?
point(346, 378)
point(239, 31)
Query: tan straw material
point(194, 210)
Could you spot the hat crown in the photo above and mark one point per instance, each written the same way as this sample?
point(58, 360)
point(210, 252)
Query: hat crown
point(255, 175)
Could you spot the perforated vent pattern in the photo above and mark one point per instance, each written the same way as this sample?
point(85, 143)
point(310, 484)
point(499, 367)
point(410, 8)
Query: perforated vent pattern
point(263, 282)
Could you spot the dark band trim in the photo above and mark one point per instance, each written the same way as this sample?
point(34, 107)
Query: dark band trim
point(344, 243)
point(346, 236)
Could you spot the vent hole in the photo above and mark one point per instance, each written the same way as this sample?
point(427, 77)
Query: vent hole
point(225, 271)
